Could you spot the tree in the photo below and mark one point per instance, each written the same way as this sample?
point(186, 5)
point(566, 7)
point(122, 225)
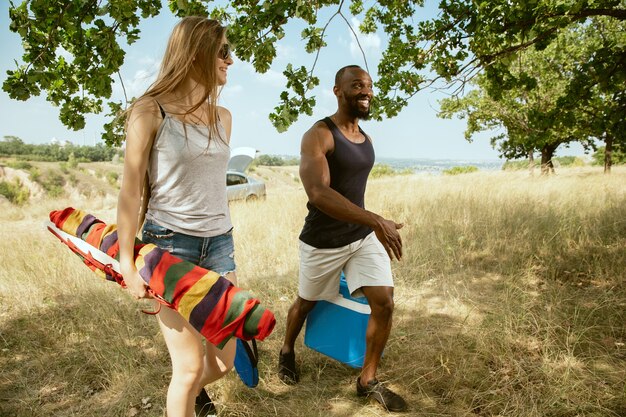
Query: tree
point(468, 36)
point(465, 38)
point(517, 116)
point(521, 113)
point(563, 100)
point(599, 157)
point(11, 145)
point(597, 90)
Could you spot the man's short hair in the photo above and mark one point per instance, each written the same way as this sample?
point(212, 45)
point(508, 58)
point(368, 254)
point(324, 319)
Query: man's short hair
point(341, 71)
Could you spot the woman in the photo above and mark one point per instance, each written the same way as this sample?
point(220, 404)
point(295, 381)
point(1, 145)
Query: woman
point(178, 136)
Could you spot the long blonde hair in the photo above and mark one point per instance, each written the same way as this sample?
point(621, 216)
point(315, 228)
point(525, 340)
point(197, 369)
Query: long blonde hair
point(192, 47)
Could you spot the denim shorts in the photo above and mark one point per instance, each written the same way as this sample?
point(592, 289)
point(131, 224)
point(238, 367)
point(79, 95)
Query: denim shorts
point(215, 253)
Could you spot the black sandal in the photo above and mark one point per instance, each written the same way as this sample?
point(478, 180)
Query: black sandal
point(204, 405)
point(287, 367)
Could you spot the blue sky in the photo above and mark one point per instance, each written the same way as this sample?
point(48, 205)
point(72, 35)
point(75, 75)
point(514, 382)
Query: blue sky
point(415, 133)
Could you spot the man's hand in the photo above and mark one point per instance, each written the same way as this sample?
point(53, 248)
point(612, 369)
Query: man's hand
point(387, 233)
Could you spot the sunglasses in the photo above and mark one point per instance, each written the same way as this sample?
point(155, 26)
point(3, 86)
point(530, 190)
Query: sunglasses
point(224, 52)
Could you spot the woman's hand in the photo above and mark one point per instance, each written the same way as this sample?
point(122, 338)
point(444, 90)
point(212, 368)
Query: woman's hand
point(143, 122)
point(135, 283)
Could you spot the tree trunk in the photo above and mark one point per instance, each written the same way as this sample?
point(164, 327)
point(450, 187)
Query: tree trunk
point(531, 162)
point(608, 153)
point(547, 153)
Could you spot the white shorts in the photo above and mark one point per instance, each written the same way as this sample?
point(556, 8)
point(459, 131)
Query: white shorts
point(365, 264)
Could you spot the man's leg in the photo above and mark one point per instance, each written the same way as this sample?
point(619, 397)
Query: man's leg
point(378, 328)
point(318, 279)
point(296, 316)
point(368, 273)
point(295, 320)
point(380, 300)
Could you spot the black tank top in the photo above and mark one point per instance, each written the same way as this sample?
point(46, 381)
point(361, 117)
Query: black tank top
point(349, 164)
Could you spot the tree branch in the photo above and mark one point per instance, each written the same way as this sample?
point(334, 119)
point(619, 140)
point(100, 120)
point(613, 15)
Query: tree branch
point(119, 75)
point(619, 14)
point(514, 48)
point(357, 40)
point(317, 54)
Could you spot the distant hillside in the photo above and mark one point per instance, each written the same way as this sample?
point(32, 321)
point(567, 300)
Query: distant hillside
point(41, 180)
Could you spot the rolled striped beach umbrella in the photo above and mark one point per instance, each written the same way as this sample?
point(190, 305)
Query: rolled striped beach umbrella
point(212, 304)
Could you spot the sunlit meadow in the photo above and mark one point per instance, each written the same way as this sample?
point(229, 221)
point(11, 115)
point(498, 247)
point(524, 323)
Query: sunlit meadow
point(510, 301)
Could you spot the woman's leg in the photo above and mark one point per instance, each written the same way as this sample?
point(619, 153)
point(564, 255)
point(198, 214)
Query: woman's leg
point(186, 350)
point(218, 362)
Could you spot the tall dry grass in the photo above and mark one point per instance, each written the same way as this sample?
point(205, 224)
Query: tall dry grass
point(510, 301)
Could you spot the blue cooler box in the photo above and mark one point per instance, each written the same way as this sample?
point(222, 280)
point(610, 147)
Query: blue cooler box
point(336, 328)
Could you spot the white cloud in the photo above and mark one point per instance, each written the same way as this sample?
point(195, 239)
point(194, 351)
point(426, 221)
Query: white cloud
point(370, 43)
point(271, 77)
point(140, 81)
point(285, 52)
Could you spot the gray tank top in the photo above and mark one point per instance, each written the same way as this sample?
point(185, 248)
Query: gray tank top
point(187, 180)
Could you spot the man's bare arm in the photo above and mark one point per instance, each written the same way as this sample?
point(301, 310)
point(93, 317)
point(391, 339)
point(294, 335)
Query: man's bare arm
point(315, 176)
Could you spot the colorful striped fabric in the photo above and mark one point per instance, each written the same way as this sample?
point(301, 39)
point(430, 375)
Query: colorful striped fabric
point(211, 303)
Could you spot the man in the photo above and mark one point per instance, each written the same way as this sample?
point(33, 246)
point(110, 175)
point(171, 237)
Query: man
point(339, 234)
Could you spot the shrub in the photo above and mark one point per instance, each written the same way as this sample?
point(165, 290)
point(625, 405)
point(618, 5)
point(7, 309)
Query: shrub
point(559, 161)
point(15, 192)
point(460, 170)
point(618, 156)
point(55, 191)
point(72, 162)
point(14, 146)
point(568, 161)
point(292, 161)
point(35, 174)
point(19, 165)
point(270, 160)
point(383, 170)
point(112, 177)
point(519, 165)
point(52, 181)
point(72, 179)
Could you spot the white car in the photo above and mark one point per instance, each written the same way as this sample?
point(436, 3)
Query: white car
point(239, 186)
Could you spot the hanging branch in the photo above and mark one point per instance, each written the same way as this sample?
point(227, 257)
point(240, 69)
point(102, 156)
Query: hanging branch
point(357, 41)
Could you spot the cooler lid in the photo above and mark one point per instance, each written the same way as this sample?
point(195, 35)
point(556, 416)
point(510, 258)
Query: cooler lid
point(345, 292)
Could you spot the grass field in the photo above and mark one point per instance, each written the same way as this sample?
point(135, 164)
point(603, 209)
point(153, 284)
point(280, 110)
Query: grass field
point(510, 301)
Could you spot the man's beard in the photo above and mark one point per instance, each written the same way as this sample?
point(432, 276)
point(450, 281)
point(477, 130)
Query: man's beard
point(358, 113)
